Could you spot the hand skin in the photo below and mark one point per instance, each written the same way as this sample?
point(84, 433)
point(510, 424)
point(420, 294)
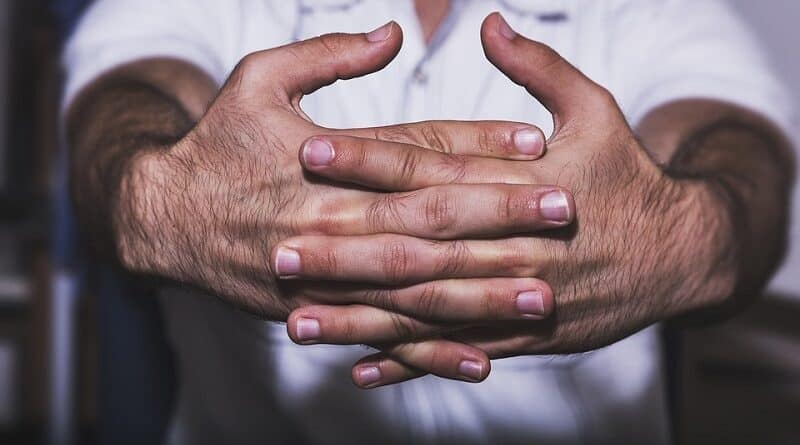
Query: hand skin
point(204, 204)
point(685, 217)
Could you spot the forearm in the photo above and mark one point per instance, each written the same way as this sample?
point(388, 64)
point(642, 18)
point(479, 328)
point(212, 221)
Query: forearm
point(143, 106)
point(746, 165)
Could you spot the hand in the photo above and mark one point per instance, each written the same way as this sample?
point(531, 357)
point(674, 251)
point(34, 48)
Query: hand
point(631, 259)
point(209, 210)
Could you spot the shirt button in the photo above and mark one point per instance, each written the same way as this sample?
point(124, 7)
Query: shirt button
point(420, 77)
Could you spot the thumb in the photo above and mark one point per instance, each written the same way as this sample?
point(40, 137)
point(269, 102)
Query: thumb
point(558, 85)
point(306, 66)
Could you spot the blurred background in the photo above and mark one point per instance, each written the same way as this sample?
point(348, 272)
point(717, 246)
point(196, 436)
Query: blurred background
point(81, 361)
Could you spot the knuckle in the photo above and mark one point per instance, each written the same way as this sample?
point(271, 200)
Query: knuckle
point(487, 307)
point(386, 298)
point(354, 155)
point(240, 76)
point(486, 139)
point(384, 213)
point(403, 327)
point(438, 212)
point(407, 165)
point(249, 73)
point(519, 261)
point(603, 97)
point(509, 205)
point(346, 329)
point(396, 260)
point(396, 133)
point(324, 260)
point(436, 361)
point(331, 262)
point(550, 59)
point(325, 219)
point(249, 62)
point(492, 138)
point(332, 44)
point(250, 68)
point(453, 169)
point(491, 306)
point(453, 258)
point(430, 302)
point(434, 137)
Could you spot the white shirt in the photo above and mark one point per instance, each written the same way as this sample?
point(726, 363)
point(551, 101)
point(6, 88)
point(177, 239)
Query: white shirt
point(242, 380)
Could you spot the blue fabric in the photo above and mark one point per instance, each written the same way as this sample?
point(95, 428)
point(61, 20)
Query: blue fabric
point(136, 376)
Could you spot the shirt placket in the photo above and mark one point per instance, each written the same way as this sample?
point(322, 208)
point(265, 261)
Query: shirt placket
point(419, 97)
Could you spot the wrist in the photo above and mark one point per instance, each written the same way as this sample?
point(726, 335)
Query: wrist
point(706, 247)
point(139, 211)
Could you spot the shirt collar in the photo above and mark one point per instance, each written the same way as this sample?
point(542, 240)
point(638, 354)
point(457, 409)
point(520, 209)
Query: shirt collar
point(518, 7)
point(514, 5)
point(532, 7)
point(329, 4)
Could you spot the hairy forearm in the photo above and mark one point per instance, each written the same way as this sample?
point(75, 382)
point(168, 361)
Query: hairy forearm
point(747, 166)
point(135, 108)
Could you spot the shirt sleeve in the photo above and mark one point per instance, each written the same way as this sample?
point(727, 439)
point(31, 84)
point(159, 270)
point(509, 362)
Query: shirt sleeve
point(677, 49)
point(115, 32)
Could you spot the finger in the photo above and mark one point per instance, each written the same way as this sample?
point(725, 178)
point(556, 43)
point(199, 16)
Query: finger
point(514, 338)
point(558, 85)
point(395, 166)
point(405, 361)
point(303, 67)
point(465, 300)
point(388, 259)
point(494, 139)
point(353, 325)
point(459, 211)
point(379, 370)
point(454, 211)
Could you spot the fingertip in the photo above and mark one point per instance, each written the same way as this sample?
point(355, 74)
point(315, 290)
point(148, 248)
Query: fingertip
point(490, 22)
point(366, 376)
point(396, 35)
point(388, 36)
point(317, 152)
point(303, 329)
point(474, 369)
point(529, 142)
point(557, 207)
point(380, 33)
point(498, 39)
point(291, 327)
point(367, 373)
point(321, 61)
point(534, 299)
point(548, 299)
point(286, 263)
point(495, 26)
point(386, 32)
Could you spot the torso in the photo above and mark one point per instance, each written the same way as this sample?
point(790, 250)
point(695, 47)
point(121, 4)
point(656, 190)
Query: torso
point(271, 386)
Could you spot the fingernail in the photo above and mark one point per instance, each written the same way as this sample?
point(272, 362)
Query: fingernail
point(368, 375)
point(504, 29)
point(287, 262)
point(529, 141)
point(307, 329)
point(471, 370)
point(380, 34)
point(318, 152)
point(555, 207)
point(530, 303)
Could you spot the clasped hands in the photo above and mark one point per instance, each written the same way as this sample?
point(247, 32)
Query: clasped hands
point(442, 244)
